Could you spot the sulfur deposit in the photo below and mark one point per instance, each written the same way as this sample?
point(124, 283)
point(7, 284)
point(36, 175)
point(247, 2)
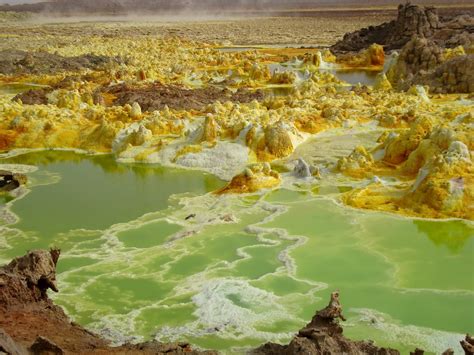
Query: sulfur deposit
point(240, 114)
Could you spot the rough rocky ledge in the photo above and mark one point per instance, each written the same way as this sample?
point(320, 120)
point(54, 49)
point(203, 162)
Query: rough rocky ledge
point(31, 324)
point(412, 20)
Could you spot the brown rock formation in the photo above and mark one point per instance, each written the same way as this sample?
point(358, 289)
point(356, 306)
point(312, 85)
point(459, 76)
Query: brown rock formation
point(412, 20)
point(418, 57)
point(16, 62)
point(454, 76)
point(323, 335)
point(156, 96)
point(422, 62)
point(33, 97)
point(468, 345)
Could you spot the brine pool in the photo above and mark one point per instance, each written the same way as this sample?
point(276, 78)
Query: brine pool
point(149, 252)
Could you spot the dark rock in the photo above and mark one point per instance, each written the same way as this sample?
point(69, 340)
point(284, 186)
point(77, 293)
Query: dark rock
point(412, 20)
point(43, 345)
point(323, 335)
point(468, 345)
point(421, 62)
point(17, 62)
point(33, 97)
point(333, 310)
point(155, 347)
point(10, 181)
point(27, 278)
point(156, 96)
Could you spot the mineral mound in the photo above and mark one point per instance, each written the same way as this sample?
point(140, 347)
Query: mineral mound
point(412, 20)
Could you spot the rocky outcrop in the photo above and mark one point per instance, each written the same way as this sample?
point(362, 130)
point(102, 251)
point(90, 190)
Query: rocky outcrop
point(412, 20)
point(277, 141)
point(323, 335)
point(468, 345)
point(454, 76)
point(31, 323)
point(417, 57)
point(422, 62)
point(10, 181)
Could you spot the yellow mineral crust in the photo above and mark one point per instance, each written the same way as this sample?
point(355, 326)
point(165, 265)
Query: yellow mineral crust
point(438, 164)
point(210, 130)
point(254, 178)
point(277, 142)
point(399, 147)
point(450, 53)
point(357, 164)
point(372, 57)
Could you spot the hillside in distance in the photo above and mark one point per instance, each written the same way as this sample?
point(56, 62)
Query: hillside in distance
point(156, 6)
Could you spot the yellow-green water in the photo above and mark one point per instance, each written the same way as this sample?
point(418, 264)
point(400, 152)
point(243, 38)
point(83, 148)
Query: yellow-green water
point(245, 269)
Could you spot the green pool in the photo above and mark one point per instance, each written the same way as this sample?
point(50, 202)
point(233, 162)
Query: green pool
point(148, 252)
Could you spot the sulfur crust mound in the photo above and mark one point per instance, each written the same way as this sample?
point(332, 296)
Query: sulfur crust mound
point(254, 178)
point(436, 174)
point(372, 57)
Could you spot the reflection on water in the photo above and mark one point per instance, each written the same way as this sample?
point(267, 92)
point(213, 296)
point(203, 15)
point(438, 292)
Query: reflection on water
point(453, 234)
point(236, 49)
point(355, 76)
point(17, 88)
point(95, 191)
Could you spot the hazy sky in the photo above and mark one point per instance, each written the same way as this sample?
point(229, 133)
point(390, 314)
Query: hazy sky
point(18, 1)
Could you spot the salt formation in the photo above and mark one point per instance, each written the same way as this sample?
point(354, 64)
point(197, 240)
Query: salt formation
point(254, 178)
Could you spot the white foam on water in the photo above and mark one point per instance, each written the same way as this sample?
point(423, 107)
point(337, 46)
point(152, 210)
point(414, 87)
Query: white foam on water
point(21, 151)
point(430, 340)
point(232, 309)
point(19, 168)
point(117, 328)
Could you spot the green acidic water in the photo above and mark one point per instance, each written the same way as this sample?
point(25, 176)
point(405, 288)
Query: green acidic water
point(241, 270)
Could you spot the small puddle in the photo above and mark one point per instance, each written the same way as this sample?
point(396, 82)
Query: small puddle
point(18, 88)
point(355, 76)
point(236, 49)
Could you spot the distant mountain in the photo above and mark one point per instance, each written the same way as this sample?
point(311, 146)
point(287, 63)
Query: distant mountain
point(155, 6)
